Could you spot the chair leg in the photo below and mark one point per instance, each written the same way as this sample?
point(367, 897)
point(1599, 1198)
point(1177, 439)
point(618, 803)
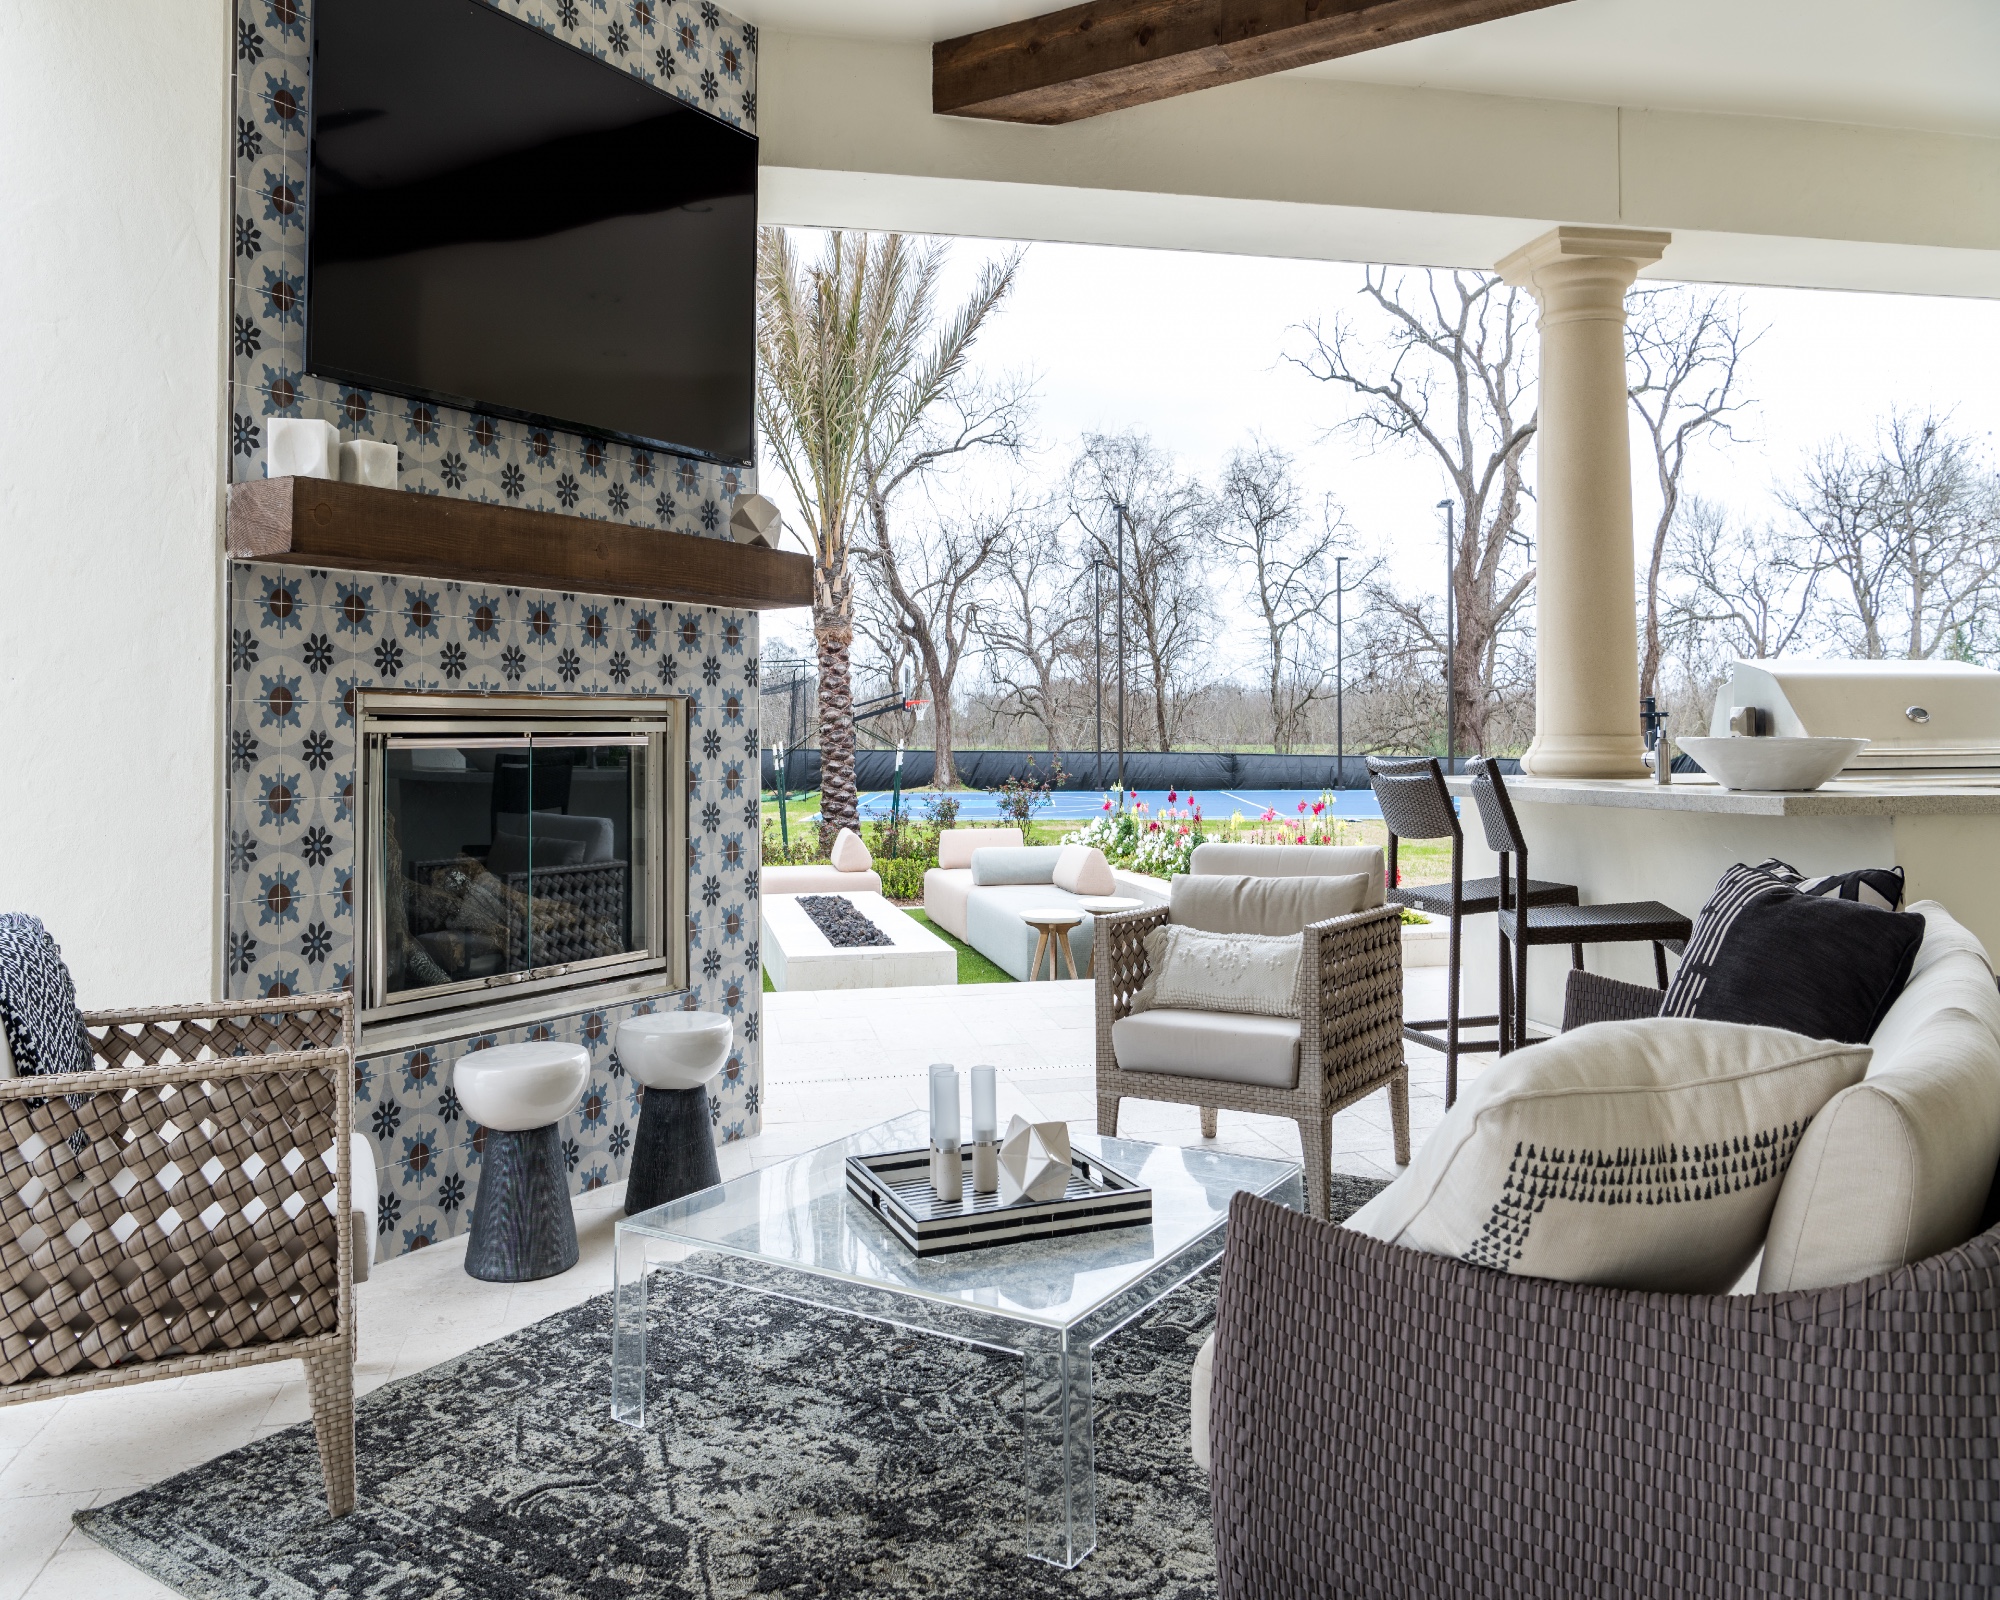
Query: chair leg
point(1504, 1035)
point(1521, 991)
point(1316, 1152)
point(1399, 1115)
point(1107, 1115)
point(1660, 962)
point(330, 1386)
point(1576, 956)
point(1208, 1122)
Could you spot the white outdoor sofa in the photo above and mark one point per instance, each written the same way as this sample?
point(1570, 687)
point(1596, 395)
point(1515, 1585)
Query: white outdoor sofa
point(849, 869)
point(986, 879)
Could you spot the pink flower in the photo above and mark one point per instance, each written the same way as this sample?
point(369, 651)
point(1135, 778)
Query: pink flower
point(1139, 806)
point(1270, 815)
point(1152, 827)
point(1302, 808)
point(1171, 797)
point(1107, 805)
point(1318, 807)
point(1302, 838)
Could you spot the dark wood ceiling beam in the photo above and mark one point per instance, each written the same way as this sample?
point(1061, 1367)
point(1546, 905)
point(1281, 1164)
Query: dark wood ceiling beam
point(1110, 54)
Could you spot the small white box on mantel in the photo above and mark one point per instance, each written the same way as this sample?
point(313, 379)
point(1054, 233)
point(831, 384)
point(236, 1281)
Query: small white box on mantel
point(301, 447)
point(368, 461)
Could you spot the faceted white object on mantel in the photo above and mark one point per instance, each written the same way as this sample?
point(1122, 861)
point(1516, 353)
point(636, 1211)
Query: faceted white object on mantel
point(368, 461)
point(301, 447)
point(1034, 1161)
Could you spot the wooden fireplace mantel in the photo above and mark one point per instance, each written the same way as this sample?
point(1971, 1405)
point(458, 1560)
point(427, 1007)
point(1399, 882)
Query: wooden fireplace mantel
point(318, 523)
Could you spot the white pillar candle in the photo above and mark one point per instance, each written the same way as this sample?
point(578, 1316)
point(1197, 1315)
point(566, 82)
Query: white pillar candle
point(985, 1132)
point(947, 1168)
point(301, 447)
point(368, 461)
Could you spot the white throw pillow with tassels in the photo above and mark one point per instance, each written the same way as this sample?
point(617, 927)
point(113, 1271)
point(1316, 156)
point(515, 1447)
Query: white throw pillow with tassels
point(1191, 970)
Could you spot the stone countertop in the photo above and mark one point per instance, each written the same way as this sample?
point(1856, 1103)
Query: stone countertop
point(1939, 795)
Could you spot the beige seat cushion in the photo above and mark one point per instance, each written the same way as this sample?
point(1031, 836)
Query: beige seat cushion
point(955, 845)
point(1224, 1046)
point(947, 890)
point(1201, 1391)
point(1292, 861)
point(1268, 906)
point(849, 854)
point(1898, 1167)
point(1082, 869)
point(820, 879)
point(1642, 1155)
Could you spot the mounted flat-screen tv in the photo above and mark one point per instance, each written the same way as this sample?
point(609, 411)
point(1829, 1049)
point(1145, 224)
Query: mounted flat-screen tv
point(501, 222)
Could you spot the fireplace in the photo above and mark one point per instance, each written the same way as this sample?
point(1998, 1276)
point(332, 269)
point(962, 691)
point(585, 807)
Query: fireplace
point(519, 857)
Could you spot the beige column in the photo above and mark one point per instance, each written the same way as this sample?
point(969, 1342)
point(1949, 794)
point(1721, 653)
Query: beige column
point(1586, 632)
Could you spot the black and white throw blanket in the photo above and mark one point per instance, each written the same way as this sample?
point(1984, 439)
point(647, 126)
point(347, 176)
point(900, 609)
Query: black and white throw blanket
point(38, 1001)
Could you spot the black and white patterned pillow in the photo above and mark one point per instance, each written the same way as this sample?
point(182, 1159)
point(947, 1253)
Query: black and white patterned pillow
point(38, 1001)
point(1881, 887)
point(1772, 951)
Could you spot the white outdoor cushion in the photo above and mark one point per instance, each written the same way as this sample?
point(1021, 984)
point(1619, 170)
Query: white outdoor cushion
point(1189, 969)
point(1082, 869)
point(1643, 1155)
point(1894, 1169)
point(955, 845)
point(849, 854)
point(1201, 1392)
point(1222, 1045)
point(821, 878)
point(1897, 1168)
point(1238, 904)
point(947, 892)
point(1291, 861)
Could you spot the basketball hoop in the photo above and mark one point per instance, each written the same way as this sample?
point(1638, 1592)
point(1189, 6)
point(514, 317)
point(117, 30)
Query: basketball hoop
point(915, 705)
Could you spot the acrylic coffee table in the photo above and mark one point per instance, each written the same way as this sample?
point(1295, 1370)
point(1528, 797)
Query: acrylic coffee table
point(792, 1230)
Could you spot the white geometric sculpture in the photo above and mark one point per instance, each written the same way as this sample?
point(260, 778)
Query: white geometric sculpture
point(368, 461)
point(1034, 1161)
point(756, 521)
point(301, 447)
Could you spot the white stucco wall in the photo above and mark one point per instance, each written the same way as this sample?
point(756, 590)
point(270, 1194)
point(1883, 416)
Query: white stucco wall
point(113, 139)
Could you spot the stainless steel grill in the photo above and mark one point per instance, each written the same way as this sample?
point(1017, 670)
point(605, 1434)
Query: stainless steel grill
point(1918, 716)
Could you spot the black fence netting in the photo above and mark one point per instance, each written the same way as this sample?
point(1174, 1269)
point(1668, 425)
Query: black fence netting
point(1197, 770)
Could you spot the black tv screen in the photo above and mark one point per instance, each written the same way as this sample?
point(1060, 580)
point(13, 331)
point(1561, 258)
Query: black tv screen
point(501, 222)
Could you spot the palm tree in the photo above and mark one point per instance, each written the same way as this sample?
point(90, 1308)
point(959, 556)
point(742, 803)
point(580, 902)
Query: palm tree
point(847, 367)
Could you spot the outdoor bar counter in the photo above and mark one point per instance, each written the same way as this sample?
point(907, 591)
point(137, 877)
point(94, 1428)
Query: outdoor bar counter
point(1638, 840)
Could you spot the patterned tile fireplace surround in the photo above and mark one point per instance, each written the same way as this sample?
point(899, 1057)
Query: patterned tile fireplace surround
point(303, 641)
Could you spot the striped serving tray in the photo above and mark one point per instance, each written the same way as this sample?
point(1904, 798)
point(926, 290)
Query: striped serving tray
point(897, 1188)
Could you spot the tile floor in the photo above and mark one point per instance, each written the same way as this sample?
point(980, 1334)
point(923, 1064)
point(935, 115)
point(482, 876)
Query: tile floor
point(834, 1062)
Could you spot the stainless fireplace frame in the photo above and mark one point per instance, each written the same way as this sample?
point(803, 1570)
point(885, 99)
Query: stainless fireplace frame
point(658, 723)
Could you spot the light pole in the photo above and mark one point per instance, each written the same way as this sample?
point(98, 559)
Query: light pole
point(1097, 655)
point(1450, 638)
point(1122, 515)
point(1339, 673)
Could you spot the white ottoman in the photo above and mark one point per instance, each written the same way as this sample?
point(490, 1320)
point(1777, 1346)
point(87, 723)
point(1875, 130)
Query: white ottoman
point(521, 1222)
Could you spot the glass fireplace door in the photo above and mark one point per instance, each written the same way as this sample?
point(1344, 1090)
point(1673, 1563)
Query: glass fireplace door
point(510, 858)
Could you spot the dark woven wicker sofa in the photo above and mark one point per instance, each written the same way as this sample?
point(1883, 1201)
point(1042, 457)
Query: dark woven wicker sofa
point(1390, 1423)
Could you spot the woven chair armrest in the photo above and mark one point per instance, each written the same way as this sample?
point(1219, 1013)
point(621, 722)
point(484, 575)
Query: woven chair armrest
point(213, 1069)
point(221, 1029)
point(1421, 1426)
point(1592, 997)
point(1120, 959)
point(1354, 965)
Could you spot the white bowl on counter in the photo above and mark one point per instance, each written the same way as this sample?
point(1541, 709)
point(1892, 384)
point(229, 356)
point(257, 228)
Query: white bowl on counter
point(1776, 762)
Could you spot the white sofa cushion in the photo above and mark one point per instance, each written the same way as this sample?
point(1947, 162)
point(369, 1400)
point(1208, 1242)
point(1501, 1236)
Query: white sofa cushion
point(1292, 861)
point(946, 893)
point(1082, 869)
point(1222, 1045)
point(1898, 1167)
point(955, 845)
point(1641, 1155)
point(1201, 1394)
point(849, 854)
point(1271, 906)
point(1190, 969)
point(1001, 865)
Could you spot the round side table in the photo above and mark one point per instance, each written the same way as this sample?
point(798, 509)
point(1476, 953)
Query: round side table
point(1052, 925)
point(1105, 906)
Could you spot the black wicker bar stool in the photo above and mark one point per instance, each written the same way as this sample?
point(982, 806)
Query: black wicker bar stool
point(1416, 805)
point(1523, 923)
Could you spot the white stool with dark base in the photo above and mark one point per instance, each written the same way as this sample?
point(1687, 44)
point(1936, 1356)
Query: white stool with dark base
point(521, 1223)
point(672, 1055)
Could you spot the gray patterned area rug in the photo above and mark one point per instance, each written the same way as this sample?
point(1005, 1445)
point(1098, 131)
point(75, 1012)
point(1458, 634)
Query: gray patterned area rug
point(788, 1452)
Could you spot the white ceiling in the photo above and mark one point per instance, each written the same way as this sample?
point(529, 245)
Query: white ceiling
point(1930, 64)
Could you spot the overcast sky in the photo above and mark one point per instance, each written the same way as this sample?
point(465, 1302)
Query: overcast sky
point(1189, 348)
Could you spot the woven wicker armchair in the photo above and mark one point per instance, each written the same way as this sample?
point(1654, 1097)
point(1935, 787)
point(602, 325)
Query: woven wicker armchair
point(1350, 1041)
point(1389, 1423)
point(172, 1211)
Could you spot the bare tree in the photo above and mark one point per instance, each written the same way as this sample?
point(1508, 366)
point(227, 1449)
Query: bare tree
point(1035, 624)
point(1683, 350)
point(1168, 615)
point(1260, 517)
point(1908, 537)
point(1741, 591)
point(927, 580)
point(1445, 369)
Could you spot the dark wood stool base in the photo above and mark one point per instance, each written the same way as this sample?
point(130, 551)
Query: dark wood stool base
point(674, 1151)
point(522, 1228)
